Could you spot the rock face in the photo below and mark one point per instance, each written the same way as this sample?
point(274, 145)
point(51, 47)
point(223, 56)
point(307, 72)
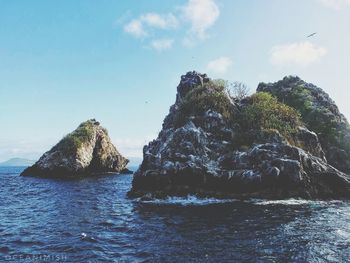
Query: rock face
point(86, 151)
point(212, 144)
point(320, 114)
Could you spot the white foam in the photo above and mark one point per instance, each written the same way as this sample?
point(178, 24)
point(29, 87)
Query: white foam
point(187, 201)
point(291, 201)
point(192, 200)
point(342, 233)
point(280, 202)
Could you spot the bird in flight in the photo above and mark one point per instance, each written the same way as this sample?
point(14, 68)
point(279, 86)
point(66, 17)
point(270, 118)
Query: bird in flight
point(311, 35)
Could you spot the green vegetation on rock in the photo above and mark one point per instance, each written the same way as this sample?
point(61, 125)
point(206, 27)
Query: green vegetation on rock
point(77, 138)
point(210, 96)
point(265, 112)
point(282, 109)
point(317, 118)
point(299, 98)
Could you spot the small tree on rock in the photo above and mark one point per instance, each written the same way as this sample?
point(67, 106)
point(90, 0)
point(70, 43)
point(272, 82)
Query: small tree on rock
point(237, 90)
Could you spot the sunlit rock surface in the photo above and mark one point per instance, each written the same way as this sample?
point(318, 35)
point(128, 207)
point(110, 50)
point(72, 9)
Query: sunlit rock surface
point(86, 151)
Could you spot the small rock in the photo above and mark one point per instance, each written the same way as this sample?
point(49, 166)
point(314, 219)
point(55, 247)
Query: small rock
point(86, 151)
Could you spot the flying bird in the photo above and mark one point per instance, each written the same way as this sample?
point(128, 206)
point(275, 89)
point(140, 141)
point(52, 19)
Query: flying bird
point(311, 35)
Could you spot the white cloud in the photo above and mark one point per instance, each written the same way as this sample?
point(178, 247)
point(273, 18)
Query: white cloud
point(196, 17)
point(139, 27)
point(202, 14)
point(135, 28)
point(299, 54)
point(336, 4)
point(219, 65)
point(162, 44)
point(159, 21)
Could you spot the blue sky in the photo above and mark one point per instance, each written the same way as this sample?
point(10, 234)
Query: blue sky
point(63, 62)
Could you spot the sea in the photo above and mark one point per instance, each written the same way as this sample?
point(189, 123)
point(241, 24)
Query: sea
point(92, 220)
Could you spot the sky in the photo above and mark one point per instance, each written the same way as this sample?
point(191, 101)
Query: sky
point(63, 62)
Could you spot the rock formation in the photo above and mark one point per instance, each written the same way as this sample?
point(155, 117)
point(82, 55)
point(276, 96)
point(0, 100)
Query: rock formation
point(86, 151)
point(320, 114)
point(213, 144)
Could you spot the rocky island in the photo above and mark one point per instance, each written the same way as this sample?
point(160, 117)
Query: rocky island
point(86, 151)
point(286, 140)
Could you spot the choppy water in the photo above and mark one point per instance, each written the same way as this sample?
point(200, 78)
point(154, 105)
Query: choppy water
point(91, 220)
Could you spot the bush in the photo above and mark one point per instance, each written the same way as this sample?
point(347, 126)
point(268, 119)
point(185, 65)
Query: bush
point(77, 138)
point(317, 119)
point(210, 96)
point(265, 112)
point(320, 122)
point(299, 98)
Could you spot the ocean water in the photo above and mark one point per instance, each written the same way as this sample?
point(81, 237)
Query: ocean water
point(91, 220)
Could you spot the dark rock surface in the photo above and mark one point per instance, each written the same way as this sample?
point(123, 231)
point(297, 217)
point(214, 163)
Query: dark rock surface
point(205, 154)
point(86, 151)
point(320, 114)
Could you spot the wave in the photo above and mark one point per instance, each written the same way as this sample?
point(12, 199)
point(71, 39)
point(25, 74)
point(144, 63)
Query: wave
point(292, 201)
point(186, 201)
point(192, 200)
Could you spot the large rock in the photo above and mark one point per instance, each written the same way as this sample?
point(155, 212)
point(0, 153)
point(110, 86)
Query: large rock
point(210, 152)
point(86, 151)
point(320, 114)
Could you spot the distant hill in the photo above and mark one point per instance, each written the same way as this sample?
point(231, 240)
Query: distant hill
point(17, 162)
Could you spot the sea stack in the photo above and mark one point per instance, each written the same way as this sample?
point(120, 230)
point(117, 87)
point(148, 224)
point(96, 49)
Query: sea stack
point(286, 140)
point(86, 151)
